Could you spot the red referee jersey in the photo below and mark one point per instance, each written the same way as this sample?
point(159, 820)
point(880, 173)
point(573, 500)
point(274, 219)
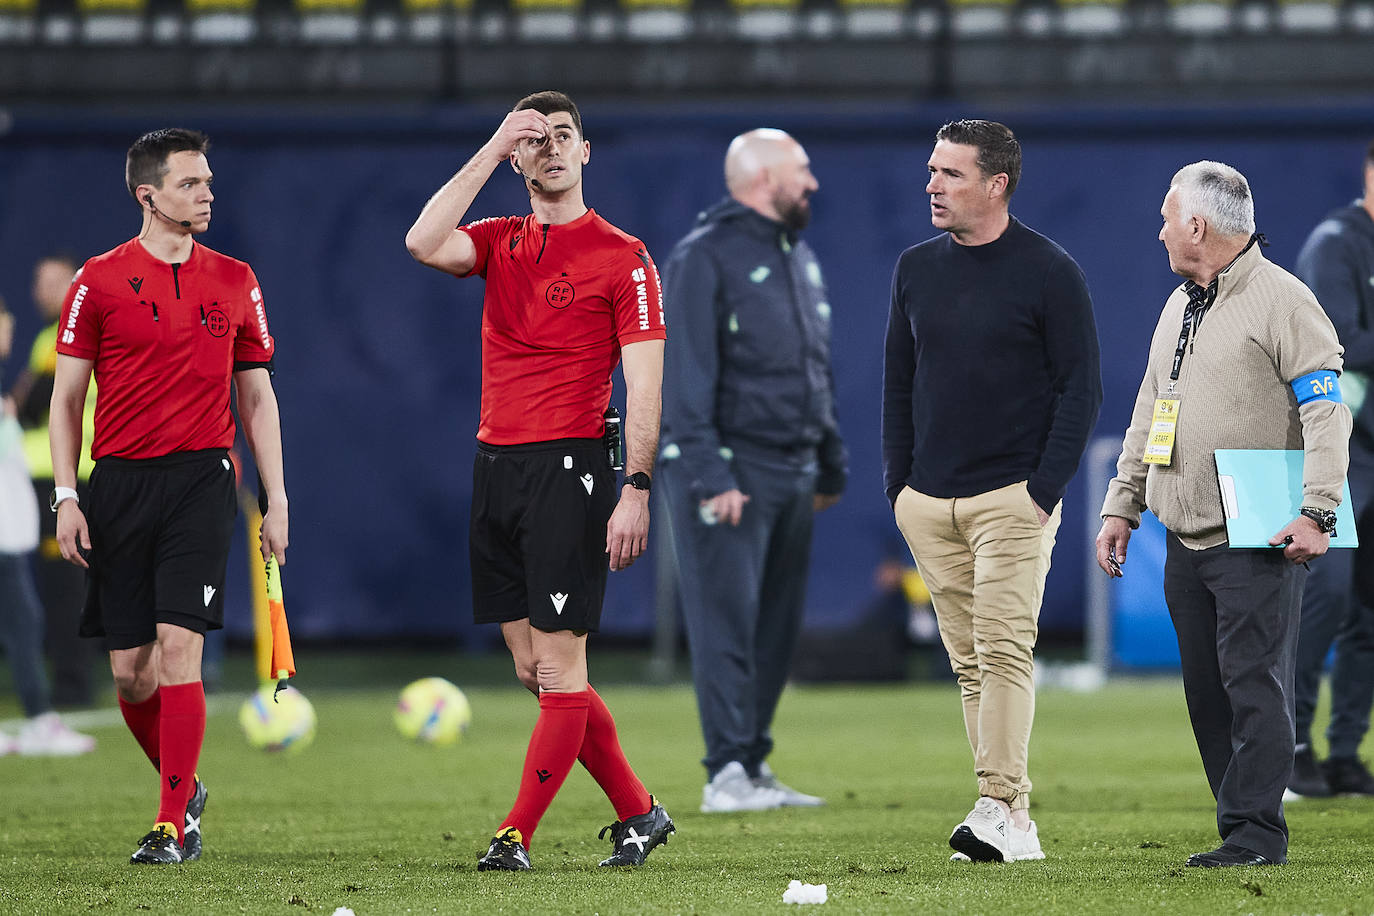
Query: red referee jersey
point(560, 303)
point(166, 339)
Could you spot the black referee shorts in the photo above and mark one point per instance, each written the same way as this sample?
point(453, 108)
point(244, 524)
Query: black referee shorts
point(160, 531)
point(538, 535)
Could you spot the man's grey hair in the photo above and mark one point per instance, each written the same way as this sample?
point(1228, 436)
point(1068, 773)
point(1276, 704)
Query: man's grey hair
point(1217, 193)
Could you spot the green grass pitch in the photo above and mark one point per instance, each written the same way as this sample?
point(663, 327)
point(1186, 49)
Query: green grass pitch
point(363, 819)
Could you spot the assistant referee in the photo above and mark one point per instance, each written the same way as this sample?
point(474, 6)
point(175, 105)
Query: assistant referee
point(165, 324)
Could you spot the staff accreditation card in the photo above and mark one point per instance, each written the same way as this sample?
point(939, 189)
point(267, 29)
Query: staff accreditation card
point(1159, 448)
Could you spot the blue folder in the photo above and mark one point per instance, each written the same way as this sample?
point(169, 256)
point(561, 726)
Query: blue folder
point(1261, 492)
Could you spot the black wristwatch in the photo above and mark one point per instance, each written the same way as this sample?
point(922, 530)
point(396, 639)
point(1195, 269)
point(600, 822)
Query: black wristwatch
point(1325, 518)
point(640, 481)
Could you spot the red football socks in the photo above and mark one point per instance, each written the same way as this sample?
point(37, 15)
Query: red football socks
point(552, 752)
point(143, 719)
point(183, 732)
point(603, 758)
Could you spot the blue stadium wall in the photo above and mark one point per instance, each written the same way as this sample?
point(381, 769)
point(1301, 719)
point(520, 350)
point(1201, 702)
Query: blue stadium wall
point(378, 366)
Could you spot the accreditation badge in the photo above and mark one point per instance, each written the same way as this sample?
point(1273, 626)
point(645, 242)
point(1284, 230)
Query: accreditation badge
point(1159, 446)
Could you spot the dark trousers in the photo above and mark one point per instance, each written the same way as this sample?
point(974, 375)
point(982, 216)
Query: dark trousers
point(1236, 616)
point(62, 591)
point(743, 592)
point(1333, 609)
point(21, 633)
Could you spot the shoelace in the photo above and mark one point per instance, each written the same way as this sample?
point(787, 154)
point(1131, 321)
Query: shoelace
point(157, 839)
point(617, 831)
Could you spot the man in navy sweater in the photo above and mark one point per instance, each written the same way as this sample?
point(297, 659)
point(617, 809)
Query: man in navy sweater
point(1337, 264)
point(991, 388)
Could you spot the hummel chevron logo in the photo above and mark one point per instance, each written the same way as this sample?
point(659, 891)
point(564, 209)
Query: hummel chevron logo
point(544, 775)
point(635, 838)
point(209, 593)
point(136, 283)
point(559, 600)
point(174, 781)
point(587, 482)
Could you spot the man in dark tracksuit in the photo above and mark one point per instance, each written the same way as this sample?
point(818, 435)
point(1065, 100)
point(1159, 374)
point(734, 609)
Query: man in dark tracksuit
point(1337, 264)
point(751, 450)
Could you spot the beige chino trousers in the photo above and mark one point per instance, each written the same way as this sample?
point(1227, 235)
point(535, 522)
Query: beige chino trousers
point(984, 559)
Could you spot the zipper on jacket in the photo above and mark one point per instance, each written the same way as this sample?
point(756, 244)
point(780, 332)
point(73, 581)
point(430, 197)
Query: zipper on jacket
point(176, 281)
point(542, 243)
point(150, 304)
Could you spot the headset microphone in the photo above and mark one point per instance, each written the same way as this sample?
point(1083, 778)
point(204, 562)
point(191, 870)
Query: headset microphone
point(183, 223)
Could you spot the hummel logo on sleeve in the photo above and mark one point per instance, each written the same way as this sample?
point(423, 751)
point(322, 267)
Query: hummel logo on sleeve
point(209, 593)
point(559, 600)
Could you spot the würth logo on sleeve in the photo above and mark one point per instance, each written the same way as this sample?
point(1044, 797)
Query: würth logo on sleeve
point(69, 333)
point(560, 294)
point(641, 296)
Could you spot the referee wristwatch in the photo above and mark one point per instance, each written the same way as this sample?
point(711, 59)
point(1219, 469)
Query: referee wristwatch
point(1325, 518)
point(61, 495)
point(640, 481)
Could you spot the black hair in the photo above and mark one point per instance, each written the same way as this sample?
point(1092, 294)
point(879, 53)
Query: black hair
point(998, 149)
point(549, 101)
point(146, 162)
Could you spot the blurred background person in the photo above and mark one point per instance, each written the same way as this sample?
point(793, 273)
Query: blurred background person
point(21, 617)
point(1337, 264)
point(61, 586)
point(751, 451)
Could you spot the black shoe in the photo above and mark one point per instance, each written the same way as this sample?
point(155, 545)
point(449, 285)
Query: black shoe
point(1307, 778)
point(191, 841)
point(159, 847)
point(1228, 856)
point(633, 838)
point(1348, 776)
point(507, 853)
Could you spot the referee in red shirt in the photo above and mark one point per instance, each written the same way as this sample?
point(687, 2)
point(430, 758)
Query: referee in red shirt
point(568, 296)
point(165, 324)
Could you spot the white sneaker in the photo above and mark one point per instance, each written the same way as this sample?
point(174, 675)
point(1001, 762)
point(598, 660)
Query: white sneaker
point(733, 790)
point(988, 835)
point(791, 798)
point(1023, 845)
point(48, 736)
point(7, 744)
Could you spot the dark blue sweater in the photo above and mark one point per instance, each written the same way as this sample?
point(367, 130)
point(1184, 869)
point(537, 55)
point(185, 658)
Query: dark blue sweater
point(991, 370)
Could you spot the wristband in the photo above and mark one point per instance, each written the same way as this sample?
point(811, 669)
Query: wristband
point(61, 495)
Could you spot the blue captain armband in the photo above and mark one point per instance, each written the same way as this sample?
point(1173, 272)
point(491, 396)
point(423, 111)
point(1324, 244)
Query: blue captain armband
point(1321, 385)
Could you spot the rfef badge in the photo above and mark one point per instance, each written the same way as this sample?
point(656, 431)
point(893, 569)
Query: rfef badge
point(1159, 447)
